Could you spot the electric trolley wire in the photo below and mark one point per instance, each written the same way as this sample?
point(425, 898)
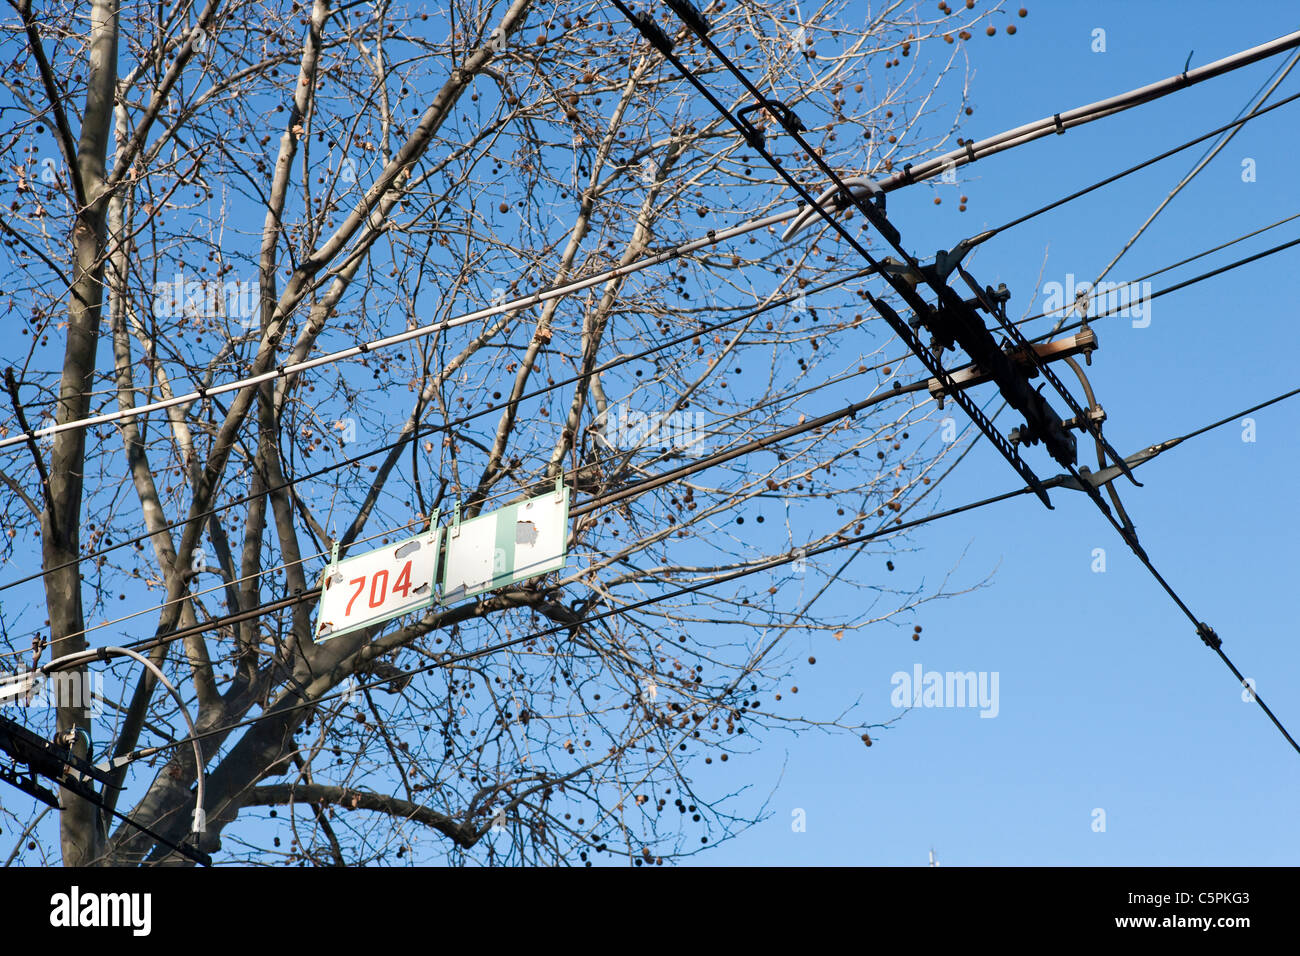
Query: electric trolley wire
point(665, 478)
point(284, 603)
point(1203, 630)
point(593, 504)
point(423, 430)
point(448, 659)
point(1213, 151)
point(1201, 627)
point(1236, 124)
point(1120, 307)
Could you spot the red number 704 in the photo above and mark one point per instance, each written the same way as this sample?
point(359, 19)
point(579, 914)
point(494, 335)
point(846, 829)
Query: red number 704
point(379, 587)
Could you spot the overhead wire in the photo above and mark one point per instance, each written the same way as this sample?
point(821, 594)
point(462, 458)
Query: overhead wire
point(1204, 161)
point(660, 480)
point(909, 174)
point(1168, 290)
point(886, 363)
point(283, 370)
point(447, 659)
point(1208, 636)
point(1236, 124)
point(909, 294)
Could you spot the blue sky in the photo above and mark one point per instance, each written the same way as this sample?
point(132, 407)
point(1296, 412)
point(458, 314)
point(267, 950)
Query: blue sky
point(1108, 700)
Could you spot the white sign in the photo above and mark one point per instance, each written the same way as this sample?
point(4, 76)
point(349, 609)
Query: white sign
point(520, 541)
point(378, 586)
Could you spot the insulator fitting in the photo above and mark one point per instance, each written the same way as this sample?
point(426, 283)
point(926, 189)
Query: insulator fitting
point(1206, 634)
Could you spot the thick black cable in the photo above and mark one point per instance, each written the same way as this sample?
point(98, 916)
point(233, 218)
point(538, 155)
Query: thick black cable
point(786, 119)
point(184, 849)
point(1232, 418)
point(1203, 630)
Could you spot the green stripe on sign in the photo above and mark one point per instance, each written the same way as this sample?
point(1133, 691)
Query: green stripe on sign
point(503, 558)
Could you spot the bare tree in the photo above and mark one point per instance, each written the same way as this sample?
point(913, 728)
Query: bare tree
point(218, 190)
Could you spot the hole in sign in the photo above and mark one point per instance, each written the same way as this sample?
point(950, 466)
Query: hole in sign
point(409, 548)
point(525, 533)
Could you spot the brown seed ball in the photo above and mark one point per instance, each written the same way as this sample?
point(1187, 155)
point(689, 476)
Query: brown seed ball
point(1022, 12)
point(937, 200)
point(970, 4)
point(991, 30)
point(970, 110)
point(947, 38)
point(917, 628)
point(1011, 29)
point(963, 198)
point(812, 660)
point(504, 207)
point(724, 758)
point(959, 209)
point(916, 637)
point(794, 690)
